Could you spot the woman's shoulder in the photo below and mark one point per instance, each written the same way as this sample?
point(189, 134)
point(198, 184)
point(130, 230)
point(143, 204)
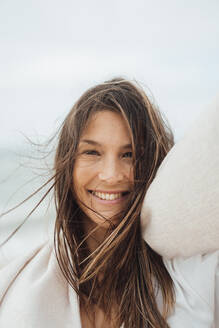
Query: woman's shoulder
point(13, 268)
point(196, 281)
point(208, 262)
point(33, 289)
point(8, 258)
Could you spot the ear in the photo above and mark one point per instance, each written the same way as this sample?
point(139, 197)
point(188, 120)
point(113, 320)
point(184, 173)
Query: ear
point(180, 214)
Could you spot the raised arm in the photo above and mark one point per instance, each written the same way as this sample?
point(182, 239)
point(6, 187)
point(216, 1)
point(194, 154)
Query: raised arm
point(180, 214)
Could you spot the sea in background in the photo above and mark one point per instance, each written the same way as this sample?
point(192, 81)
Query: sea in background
point(22, 172)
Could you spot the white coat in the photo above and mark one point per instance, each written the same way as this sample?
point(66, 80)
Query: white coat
point(33, 292)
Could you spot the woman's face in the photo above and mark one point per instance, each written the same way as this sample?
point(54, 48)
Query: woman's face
point(103, 171)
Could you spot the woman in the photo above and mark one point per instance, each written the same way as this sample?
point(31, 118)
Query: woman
point(110, 147)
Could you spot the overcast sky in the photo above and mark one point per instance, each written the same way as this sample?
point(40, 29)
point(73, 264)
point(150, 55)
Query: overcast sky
point(52, 51)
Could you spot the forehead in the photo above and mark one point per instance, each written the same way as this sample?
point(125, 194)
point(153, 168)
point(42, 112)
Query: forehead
point(107, 126)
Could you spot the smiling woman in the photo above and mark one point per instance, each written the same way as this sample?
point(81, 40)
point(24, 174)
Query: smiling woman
point(99, 272)
point(110, 147)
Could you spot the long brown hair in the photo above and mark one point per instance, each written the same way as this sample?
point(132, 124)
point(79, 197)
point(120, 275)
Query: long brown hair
point(132, 274)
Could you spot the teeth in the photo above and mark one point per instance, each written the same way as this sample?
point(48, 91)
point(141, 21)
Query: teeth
point(107, 196)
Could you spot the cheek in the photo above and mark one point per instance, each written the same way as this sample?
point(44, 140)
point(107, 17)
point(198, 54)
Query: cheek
point(78, 179)
point(83, 175)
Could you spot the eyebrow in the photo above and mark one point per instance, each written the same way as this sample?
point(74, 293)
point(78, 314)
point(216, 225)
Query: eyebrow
point(95, 143)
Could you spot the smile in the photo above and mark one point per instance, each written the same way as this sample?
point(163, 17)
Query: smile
point(109, 196)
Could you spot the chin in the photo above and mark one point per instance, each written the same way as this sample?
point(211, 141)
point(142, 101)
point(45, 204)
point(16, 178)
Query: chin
point(104, 220)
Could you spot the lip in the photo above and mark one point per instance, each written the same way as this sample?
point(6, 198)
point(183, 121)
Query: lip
point(109, 191)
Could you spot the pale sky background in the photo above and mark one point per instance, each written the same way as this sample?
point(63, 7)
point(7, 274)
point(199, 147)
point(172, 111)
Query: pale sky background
point(52, 51)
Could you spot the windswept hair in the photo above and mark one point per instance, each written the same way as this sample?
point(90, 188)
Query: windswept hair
point(131, 273)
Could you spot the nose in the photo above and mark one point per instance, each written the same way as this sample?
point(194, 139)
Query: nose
point(111, 172)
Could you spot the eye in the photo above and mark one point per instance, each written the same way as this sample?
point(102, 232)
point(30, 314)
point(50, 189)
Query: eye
point(91, 152)
point(127, 154)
